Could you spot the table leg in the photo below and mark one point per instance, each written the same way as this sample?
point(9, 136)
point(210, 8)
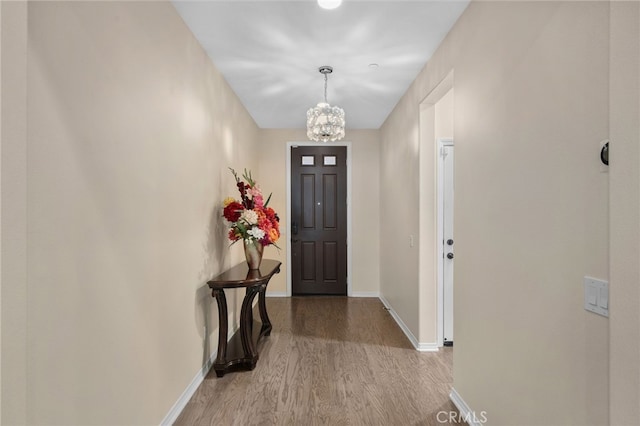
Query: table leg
point(266, 323)
point(246, 293)
point(246, 326)
point(221, 358)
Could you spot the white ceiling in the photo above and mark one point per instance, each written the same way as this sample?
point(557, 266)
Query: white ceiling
point(269, 53)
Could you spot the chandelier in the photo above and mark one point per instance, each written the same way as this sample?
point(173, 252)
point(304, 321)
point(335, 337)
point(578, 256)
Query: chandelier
point(325, 123)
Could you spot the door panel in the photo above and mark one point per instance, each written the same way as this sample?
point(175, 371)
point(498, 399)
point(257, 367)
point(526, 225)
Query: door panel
point(308, 201)
point(319, 220)
point(308, 259)
point(329, 183)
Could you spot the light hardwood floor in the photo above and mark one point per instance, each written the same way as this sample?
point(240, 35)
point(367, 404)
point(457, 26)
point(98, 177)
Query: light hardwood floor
point(329, 361)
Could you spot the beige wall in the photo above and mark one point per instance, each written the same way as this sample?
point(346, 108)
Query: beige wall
point(531, 106)
point(624, 205)
point(130, 130)
point(118, 168)
point(14, 205)
point(444, 117)
point(115, 162)
point(400, 213)
point(435, 122)
point(365, 202)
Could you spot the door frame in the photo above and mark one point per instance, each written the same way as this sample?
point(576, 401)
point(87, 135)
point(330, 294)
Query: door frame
point(290, 145)
point(441, 142)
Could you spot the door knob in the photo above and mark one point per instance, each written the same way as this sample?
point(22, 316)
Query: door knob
point(450, 242)
point(449, 255)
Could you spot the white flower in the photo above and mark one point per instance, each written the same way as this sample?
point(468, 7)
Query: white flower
point(250, 217)
point(256, 233)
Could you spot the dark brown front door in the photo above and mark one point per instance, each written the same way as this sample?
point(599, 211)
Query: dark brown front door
point(319, 220)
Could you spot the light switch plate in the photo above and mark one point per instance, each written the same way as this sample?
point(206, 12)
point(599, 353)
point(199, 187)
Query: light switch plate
point(596, 296)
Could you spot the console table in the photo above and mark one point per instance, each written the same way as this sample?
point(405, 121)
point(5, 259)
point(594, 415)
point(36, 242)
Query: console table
point(240, 352)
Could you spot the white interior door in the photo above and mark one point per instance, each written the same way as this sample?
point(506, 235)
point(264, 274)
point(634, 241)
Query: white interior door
point(447, 240)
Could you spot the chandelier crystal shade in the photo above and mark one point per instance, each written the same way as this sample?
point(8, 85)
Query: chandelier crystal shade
point(325, 123)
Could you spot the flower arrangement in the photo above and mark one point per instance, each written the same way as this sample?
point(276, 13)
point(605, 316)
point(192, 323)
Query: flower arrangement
point(250, 217)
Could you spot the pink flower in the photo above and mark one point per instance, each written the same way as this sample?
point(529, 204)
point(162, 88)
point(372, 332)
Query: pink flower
point(258, 201)
point(254, 191)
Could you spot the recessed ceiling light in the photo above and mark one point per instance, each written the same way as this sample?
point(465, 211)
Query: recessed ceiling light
point(373, 66)
point(329, 4)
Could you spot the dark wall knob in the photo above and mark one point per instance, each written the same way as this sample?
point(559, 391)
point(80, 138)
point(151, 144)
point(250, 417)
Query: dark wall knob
point(450, 242)
point(449, 255)
point(604, 154)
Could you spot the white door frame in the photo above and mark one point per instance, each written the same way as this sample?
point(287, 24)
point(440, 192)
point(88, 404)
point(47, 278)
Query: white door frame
point(288, 220)
point(441, 142)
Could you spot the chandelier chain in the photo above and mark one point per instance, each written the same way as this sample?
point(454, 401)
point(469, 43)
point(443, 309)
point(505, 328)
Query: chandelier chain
point(325, 89)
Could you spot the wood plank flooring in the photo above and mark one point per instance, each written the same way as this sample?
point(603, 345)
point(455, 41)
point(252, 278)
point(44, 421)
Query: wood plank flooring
point(329, 361)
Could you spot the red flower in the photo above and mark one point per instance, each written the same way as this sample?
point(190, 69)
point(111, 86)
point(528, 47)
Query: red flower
point(233, 211)
point(232, 235)
point(271, 214)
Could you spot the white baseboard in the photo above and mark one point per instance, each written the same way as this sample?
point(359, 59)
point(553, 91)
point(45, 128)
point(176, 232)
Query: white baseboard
point(422, 347)
point(428, 347)
point(403, 326)
point(467, 414)
point(275, 294)
point(177, 408)
point(365, 294)
point(183, 400)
